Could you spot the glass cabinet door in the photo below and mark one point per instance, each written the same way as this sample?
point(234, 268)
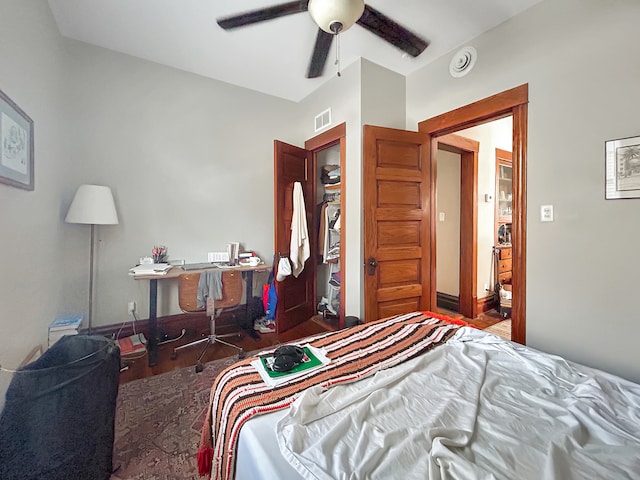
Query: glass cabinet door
point(503, 196)
point(504, 193)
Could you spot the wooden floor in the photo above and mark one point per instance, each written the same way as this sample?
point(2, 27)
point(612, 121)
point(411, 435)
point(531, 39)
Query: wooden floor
point(135, 367)
point(484, 320)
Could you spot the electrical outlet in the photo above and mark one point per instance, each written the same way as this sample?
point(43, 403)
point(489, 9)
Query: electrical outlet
point(131, 308)
point(486, 287)
point(546, 213)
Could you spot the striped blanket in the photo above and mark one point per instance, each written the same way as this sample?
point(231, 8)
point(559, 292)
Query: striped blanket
point(239, 392)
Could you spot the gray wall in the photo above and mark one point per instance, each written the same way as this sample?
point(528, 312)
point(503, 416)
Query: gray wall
point(35, 244)
point(189, 160)
point(582, 65)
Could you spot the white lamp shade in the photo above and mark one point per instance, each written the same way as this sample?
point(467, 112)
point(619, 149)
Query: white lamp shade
point(93, 204)
point(326, 12)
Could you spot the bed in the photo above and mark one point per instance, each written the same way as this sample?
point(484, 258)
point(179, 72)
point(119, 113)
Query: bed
point(427, 397)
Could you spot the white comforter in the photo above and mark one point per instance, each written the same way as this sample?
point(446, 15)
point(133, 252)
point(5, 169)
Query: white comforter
point(474, 408)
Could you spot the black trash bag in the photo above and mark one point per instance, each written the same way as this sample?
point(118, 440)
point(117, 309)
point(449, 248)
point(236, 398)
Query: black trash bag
point(256, 309)
point(58, 419)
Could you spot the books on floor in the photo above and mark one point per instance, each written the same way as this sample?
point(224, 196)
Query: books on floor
point(132, 345)
point(64, 325)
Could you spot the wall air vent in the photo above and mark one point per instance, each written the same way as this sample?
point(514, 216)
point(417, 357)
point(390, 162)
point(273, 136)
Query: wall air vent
point(323, 119)
point(463, 61)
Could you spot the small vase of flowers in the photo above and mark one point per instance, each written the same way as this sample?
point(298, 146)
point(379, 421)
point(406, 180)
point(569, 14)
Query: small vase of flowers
point(159, 253)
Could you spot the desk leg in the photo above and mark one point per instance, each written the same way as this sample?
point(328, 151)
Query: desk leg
point(248, 324)
point(152, 342)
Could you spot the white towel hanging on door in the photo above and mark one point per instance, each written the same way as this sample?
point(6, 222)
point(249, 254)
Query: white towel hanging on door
point(299, 248)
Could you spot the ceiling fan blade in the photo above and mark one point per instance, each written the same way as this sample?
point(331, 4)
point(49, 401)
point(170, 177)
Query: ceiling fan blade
point(378, 23)
point(320, 53)
point(263, 14)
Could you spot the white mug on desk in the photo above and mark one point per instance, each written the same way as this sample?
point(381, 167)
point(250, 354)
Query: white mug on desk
point(254, 261)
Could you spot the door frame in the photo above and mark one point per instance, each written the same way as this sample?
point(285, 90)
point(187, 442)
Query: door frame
point(514, 103)
point(296, 303)
point(468, 244)
point(334, 136)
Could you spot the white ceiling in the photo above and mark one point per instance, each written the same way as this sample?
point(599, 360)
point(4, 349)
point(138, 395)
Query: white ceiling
point(271, 57)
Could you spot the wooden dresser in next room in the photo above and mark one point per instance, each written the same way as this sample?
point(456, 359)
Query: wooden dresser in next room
point(504, 264)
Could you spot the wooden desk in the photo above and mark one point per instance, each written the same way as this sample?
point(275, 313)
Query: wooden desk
point(175, 272)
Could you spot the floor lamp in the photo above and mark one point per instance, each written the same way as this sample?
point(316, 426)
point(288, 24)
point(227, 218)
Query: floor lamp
point(92, 205)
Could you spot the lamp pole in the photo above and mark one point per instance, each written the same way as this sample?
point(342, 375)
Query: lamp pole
point(92, 205)
point(93, 227)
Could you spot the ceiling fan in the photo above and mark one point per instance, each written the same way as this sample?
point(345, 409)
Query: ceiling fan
point(332, 18)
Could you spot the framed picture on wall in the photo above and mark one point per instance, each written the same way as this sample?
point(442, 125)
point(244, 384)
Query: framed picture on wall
point(622, 159)
point(16, 145)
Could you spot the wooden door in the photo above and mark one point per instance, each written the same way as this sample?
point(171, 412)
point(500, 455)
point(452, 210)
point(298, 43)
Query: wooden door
point(397, 222)
point(295, 295)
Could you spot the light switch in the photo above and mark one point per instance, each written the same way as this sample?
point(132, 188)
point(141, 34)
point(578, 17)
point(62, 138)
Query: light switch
point(441, 216)
point(546, 213)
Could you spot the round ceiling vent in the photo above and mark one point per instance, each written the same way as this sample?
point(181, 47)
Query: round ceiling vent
point(463, 61)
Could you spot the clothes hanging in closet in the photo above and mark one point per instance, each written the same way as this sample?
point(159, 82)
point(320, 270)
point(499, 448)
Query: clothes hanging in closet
point(328, 235)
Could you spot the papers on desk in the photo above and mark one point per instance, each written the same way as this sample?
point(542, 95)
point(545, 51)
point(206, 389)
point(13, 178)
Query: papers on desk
point(150, 269)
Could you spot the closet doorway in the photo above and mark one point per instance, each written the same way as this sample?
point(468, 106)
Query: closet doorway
point(328, 263)
point(299, 297)
point(328, 154)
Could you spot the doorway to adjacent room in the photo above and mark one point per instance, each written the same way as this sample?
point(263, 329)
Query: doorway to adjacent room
point(399, 198)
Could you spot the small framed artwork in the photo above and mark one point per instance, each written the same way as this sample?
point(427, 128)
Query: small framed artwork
point(16, 145)
point(622, 160)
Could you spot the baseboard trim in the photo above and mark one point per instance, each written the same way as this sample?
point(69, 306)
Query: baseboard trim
point(171, 326)
point(448, 302)
point(486, 303)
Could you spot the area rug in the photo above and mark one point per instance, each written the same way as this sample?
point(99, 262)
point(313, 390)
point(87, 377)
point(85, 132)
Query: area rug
point(502, 329)
point(158, 423)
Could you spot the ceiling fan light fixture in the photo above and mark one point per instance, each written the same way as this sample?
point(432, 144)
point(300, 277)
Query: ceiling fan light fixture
point(334, 16)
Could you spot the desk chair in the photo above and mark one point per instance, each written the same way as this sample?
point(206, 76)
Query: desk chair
point(187, 299)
